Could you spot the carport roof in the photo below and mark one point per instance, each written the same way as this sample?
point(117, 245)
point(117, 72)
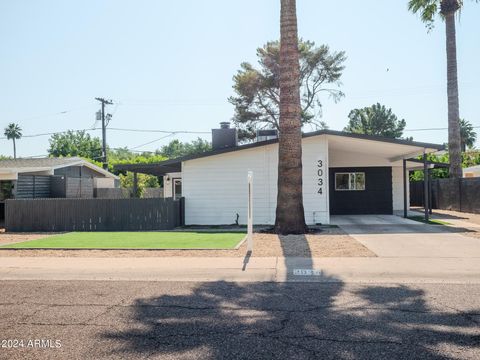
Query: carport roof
point(404, 149)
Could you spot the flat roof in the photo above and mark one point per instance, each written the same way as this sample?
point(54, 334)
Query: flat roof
point(174, 165)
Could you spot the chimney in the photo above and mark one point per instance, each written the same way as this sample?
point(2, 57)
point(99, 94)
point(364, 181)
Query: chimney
point(225, 137)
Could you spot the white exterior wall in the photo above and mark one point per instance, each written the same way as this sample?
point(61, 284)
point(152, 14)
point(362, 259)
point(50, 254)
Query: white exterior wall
point(215, 187)
point(168, 185)
point(397, 187)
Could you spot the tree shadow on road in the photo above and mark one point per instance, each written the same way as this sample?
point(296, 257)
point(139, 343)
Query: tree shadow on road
point(220, 320)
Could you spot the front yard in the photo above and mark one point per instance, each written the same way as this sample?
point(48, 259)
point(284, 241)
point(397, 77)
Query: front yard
point(134, 240)
point(330, 242)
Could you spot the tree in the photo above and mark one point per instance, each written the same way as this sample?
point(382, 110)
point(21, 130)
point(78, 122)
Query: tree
point(75, 143)
point(428, 9)
point(13, 132)
point(257, 96)
point(177, 148)
point(467, 134)
point(290, 215)
point(375, 120)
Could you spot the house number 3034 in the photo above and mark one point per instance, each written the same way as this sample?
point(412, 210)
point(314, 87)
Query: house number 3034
point(320, 176)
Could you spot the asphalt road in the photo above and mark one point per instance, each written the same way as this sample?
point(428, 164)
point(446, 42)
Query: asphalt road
point(218, 320)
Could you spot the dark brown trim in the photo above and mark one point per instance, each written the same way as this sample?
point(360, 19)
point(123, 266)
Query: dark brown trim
point(174, 165)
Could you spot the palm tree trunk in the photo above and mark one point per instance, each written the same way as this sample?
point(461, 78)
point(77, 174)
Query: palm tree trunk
point(14, 149)
point(454, 139)
point(290, 216)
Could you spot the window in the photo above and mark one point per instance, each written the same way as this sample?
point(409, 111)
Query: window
point(349, 181)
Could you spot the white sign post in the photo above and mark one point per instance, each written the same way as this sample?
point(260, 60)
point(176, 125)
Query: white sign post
point(250, 212)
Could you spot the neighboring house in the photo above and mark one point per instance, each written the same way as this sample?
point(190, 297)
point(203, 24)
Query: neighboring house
point(342, 174)
point(472, 171)
point(68, 177)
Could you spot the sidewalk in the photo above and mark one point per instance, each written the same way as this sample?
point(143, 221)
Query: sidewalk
point(273, 269)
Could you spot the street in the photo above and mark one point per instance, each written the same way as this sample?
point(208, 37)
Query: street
point(220, 320)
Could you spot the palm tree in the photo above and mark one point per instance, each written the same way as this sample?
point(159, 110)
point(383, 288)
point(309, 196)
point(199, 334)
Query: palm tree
point(428, 9)
point(290, 216)
point(13, 132)
point(467, 134)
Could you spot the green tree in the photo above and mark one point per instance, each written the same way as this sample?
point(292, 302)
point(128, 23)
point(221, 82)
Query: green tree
point(290, 215)
point(143, 181)
point(13, 132)
point(375, 120)
point(257, 91)
point(467, 134)
point(177, 148)
point(428, 10)
point(75, 143)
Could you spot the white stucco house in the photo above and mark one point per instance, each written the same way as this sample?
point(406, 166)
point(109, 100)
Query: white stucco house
point(343, 173)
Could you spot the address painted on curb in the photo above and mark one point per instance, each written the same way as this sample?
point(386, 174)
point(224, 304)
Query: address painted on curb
point(307, 272)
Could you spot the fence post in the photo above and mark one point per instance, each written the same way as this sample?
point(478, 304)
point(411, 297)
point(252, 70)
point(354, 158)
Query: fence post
point(405, 188)
point(425, 185)
point(250, 213)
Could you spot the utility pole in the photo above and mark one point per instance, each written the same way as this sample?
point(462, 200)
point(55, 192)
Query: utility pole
point(104, 131)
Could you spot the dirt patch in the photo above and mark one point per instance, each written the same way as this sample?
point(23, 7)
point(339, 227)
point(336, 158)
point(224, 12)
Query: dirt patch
point(9, 238)
point(457, 215)
point(332, 242)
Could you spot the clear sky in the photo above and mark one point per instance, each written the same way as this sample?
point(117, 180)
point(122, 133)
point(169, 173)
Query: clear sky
point(169, 64)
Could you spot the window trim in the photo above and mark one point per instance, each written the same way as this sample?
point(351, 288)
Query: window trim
point(350, 173)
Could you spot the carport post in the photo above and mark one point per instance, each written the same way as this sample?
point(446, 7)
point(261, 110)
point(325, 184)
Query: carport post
point(135, 185)
point(430, 192)
point(405, 188)
point(425, 185)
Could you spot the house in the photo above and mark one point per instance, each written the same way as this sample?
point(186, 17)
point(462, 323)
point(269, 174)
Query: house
point(472, 171)
point(343, 173)
point(67, 177)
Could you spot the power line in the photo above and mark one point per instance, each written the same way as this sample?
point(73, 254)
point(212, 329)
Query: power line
point(151, 142)
point(435, 129)
point(161, 131)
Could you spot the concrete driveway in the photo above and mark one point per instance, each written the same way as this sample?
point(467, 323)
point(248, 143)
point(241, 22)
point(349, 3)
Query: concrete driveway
point(394, 236)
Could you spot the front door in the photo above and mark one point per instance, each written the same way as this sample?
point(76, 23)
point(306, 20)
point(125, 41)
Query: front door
point(177, 188)
point(361, 190)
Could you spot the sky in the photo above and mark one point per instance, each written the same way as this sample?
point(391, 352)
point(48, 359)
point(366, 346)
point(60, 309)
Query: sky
point(168, 65)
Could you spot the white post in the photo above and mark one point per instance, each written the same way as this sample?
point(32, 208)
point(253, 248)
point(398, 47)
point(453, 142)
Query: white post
point(250, 212)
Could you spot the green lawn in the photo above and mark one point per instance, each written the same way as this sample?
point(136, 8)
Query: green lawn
point(430, 221)
point(135, 240)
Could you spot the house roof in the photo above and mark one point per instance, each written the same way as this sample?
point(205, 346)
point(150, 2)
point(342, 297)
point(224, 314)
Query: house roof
point(45, 164)
point(174, 165)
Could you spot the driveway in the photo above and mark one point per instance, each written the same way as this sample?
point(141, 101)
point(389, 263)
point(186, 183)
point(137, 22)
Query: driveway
point(394, 236)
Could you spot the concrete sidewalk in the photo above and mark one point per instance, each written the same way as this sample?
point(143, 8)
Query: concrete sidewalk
point(275, 269)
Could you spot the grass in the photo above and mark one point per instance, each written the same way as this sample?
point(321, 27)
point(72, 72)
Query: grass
point(134, 240)
point(430, 221)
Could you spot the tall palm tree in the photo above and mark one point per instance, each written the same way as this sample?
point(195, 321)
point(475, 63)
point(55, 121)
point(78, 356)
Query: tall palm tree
point(467, 134)
point(428, 9)
point(13, 132)
point(290, 216)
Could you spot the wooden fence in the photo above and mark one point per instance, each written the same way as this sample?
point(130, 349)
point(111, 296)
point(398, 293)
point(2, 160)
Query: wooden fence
point(93, 214)
point(450, 194)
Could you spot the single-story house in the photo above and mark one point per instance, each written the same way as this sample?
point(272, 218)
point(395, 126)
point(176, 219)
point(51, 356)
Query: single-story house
point(472, 171)
point(67, 177)
point(343, 173)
